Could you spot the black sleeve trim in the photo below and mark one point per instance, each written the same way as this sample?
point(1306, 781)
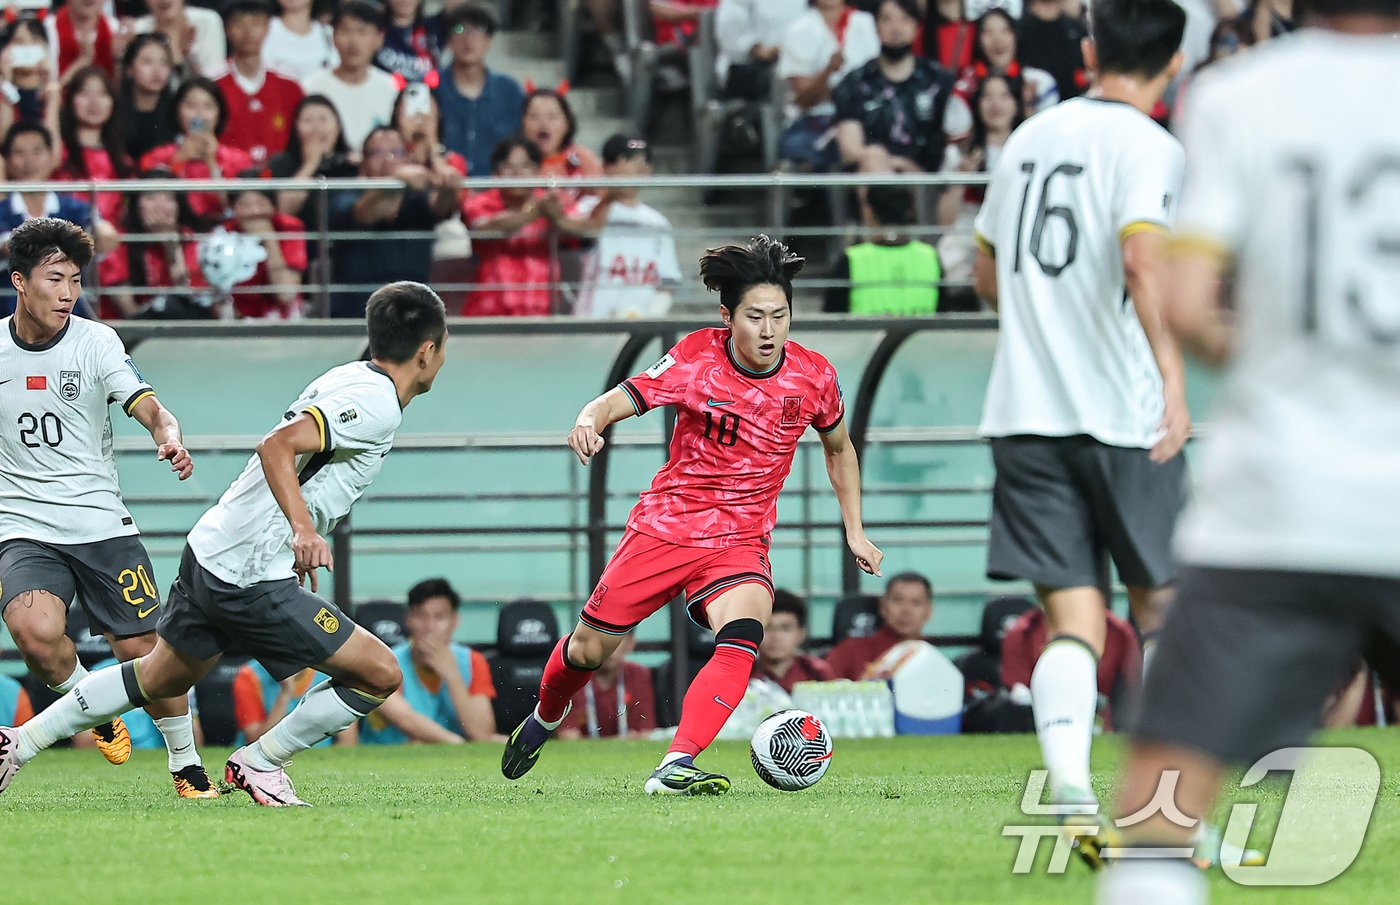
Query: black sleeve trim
point(832, 426)
point(639, 401)
point(130, 405)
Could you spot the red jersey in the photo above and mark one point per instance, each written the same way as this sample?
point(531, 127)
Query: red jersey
point(1023, 642)
point(516, 270)
point(231, 162)
point(99, 167)
point(259, 122)
point(736, 435)
point(803, 668)
point(851, 658)
point(599, 714)
point(263, 305)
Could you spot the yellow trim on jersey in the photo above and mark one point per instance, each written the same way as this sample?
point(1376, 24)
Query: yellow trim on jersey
point(985, 244)
point(320, 419)
point(1202, 245)
point(136, 400)
point(1141, 226)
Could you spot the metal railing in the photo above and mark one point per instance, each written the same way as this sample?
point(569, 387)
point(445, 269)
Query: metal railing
point(776, 191)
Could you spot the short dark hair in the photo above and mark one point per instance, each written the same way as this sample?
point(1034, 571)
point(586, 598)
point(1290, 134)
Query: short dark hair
point(25, 127)
point(569, 117)
point(503, 148)
point(254, 186)
point(788, 602)
point(401, 317)
point(912, 578)
point(388, 129)
point(35, 241)
point(233, 8)
point(732, 270)
point(909, 7)
point(363, 10)
point(429, 588)
point(471, 13)
point(208, 86)
point(892, 205)
point(624, 145)
point(1136, 37)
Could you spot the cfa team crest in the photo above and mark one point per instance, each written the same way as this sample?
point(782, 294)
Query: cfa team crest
point(69, 384)
point(327, 621)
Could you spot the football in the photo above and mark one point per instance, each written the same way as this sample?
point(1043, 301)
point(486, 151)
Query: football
point(791, 750)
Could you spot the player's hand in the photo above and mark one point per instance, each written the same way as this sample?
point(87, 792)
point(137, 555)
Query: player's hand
point(1176, 424)
point(868, 556)
point(178, 457)
point(437, 655)
point(311, 552)
point(585, 442)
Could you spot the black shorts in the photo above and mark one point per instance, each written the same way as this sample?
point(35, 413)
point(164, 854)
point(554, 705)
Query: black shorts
point(282, 624)
point(111, 579)
point(1247, 658)
point(1060, 504)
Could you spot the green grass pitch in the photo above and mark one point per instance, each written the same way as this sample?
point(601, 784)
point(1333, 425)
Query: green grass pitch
point(914, 820)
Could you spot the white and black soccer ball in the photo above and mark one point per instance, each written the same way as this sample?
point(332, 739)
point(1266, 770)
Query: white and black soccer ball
point(791, 750)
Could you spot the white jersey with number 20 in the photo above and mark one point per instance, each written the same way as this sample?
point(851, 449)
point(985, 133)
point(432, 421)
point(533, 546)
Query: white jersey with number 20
point(1298, 183)
point(1070, 185)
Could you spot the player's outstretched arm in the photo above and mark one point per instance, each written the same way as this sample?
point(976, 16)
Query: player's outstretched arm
point(843, 468)
point(165, 430)
point(586, 438)
point(401, 715)
point(1195, 312)
point(278, 453)
point(1145, 276)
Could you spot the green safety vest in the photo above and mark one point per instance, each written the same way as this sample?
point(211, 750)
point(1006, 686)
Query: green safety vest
point(894, 279)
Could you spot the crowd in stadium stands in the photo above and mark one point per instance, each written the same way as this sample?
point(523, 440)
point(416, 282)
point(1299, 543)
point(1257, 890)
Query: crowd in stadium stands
point(193, 89)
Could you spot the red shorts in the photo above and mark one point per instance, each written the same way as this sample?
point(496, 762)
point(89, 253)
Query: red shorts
point(646, 573)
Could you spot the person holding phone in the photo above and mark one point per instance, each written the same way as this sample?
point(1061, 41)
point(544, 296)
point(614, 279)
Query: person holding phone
point(27, 87)
point(197, 153)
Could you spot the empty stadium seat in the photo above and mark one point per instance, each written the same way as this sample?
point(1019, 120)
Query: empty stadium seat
point(526, 632)
point(700, 644)
point(856, 617)
point(981, 667)
point(92, 648)
point(384, 619)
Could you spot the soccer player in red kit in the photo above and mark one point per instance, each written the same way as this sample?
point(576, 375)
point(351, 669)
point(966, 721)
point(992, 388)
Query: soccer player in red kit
point(743, 396)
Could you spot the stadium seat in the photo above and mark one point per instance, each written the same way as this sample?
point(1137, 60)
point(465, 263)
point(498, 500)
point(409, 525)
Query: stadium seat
point(383, 618)
point(700, 644)
point(214, 697)
point(855, 617)
point(526, 632)
point(91, 648)
point(981, 667)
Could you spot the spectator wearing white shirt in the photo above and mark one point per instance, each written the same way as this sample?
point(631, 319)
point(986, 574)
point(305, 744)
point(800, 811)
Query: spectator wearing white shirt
point(297, 45)
point(363, 95)
point(820, 47)
point(196, 35)
point(750, 36)
point(633, 266)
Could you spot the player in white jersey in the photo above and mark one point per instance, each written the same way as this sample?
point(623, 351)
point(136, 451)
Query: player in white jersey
point(1288, 546)
point(65, 535)
point(1086, 405)
point(242, 573)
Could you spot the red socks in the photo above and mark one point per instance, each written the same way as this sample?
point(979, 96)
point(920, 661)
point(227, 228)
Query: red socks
point(719, 687)
point(560, 682)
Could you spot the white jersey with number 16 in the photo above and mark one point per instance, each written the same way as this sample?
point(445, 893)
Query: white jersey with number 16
point(1072, 357)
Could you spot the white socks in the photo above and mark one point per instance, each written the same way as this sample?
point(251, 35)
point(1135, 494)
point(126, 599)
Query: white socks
point(79, 672)
point(1064, 696)
point(322, 713)
point(178, 732)
point(1134, 881)
point(95, 699)
point(548, 725)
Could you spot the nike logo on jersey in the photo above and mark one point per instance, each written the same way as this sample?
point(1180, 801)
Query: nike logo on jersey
point(717, 404)
point(142, 614)
point(722, 704)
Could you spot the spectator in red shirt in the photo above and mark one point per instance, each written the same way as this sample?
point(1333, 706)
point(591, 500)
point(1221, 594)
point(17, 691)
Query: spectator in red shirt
point(93, 146)
point(84, 36)
point(255, 213)
point(675, 21)
point(617, 702)
point(261, 102)
point(201, 114)
point(1121, 660)
point(780, 658)
point(511, 232)
point(419, 119)
point(547, 119)
point(151, 263)
point(948, 37)
point(905, 608)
